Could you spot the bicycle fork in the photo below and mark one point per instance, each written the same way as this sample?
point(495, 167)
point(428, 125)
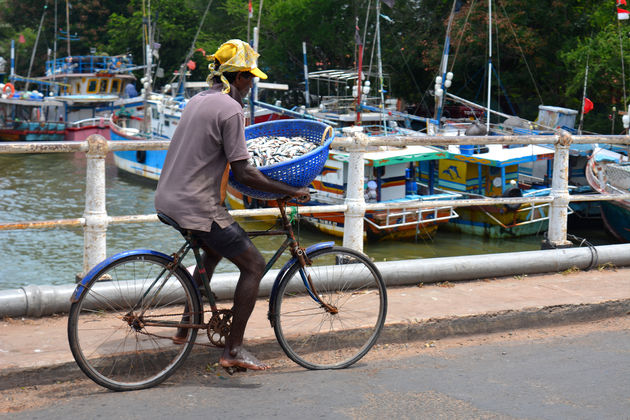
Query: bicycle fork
point(304, 261)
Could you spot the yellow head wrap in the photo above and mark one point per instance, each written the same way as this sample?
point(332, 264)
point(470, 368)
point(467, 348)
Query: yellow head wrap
point(234, 56)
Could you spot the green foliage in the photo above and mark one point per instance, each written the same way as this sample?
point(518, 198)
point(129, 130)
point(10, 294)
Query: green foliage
point(539, 46)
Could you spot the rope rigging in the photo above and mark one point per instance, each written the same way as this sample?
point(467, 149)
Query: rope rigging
point(192, 50)
point(466, 26)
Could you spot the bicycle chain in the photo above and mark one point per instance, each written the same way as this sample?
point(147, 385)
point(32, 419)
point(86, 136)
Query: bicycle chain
point(221, 323)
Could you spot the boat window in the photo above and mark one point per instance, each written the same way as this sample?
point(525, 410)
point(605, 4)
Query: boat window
point(92, 86)
point(104, 84)
point(155, 113)
point(115, 86)
point(78, 87)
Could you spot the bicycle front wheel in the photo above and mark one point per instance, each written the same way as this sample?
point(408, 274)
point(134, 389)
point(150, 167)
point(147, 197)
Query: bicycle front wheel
point(120, 329)
point(332, 321)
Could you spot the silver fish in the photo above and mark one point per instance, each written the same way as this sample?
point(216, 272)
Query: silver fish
point(269, 150)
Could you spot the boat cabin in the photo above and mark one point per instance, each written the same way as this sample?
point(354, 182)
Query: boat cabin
point(493, 169)
point(90, 75)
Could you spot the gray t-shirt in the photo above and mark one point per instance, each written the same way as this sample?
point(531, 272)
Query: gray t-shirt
point(209, 135)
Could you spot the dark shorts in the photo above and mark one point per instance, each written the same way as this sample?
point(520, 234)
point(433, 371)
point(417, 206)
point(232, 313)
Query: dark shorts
point(228, 242)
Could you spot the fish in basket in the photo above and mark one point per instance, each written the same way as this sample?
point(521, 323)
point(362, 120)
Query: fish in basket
point(290, 151)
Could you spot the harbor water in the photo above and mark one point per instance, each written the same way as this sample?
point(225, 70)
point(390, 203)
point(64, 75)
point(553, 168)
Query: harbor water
point(37, 187)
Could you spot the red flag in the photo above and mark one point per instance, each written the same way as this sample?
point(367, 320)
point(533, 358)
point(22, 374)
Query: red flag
point(588, 105)
point(620, 2)
point(21, 40)
point(622, 14)
point(251, 12)
point(191, 65)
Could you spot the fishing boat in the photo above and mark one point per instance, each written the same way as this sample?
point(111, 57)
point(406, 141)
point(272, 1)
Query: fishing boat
point(92, 87)
point(392, 175)
point(336, 92)
point(165, 112)
point(493, 171)
point(144, 163)
point(82, 129)
point(26, 116)
point(608, 172)
point(86, 90)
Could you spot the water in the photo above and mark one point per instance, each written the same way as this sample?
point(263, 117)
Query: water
point(52, 186)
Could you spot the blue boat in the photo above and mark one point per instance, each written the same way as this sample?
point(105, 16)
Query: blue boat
point(608, 172)
point(28, 117)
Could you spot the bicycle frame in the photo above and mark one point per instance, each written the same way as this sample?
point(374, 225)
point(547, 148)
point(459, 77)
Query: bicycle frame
point(298, 255)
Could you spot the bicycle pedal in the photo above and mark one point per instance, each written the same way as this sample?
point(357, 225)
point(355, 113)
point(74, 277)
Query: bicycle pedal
point(231, 370)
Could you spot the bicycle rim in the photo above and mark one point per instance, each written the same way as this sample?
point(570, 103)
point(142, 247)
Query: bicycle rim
point(107, 327)
point(319, 338)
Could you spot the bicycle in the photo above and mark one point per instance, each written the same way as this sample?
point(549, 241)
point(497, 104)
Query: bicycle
point(327, 308)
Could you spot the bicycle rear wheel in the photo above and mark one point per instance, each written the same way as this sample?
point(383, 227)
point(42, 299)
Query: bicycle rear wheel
point(341, 329)
point(120, 328)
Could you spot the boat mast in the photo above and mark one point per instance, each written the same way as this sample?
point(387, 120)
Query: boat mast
point(182, 70)
point(359, 68)
point(380, 64)
point(68, 26)
point(584, 94)
point(54, 68)
point(39, 30)
point(489, 63)
point(307, 97)
point(441, 82)
point(146, 80)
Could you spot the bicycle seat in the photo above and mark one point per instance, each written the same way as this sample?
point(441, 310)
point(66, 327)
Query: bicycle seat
point(168, 221)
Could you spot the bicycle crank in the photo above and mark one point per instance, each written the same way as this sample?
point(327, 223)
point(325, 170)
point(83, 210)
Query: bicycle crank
point(219, 327)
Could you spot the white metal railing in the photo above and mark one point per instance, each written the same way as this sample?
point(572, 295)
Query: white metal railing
point(95, 219)
point(99, 121)
point(417, 217)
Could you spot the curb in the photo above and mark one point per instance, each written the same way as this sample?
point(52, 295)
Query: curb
point(430, 329)
point(493, 322)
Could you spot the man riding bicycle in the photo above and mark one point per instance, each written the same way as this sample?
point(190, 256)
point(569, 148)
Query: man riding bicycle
point(191, 188)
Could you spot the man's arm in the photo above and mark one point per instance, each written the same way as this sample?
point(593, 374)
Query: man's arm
point(248, 175)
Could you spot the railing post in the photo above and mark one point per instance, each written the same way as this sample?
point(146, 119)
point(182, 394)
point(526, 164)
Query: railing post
point(95, 214)
point(557, 231)
point(355, 199)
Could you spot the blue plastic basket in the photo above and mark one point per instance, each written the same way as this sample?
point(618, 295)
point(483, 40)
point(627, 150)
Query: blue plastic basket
point(298, 172)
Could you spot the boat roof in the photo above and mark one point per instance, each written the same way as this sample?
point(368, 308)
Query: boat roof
point(122, 64)
point(87, 98)
point(259, 85)
point(26, 102)
point(394, 155)
point(501, 157)
point(337, 75)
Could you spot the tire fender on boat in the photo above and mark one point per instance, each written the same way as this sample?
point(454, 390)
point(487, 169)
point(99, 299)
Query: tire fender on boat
point(511, 193)
point(141, 156)
point(10, 87)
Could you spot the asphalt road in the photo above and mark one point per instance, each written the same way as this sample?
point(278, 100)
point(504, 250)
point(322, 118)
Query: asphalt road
point(572, 372)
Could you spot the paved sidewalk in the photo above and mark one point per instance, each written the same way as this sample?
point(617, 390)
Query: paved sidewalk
point(415, 313)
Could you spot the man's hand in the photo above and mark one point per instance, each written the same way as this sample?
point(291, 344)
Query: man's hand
point(302, 195)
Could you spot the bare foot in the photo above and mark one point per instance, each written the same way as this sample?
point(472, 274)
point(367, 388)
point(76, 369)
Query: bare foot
point(239, 357)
